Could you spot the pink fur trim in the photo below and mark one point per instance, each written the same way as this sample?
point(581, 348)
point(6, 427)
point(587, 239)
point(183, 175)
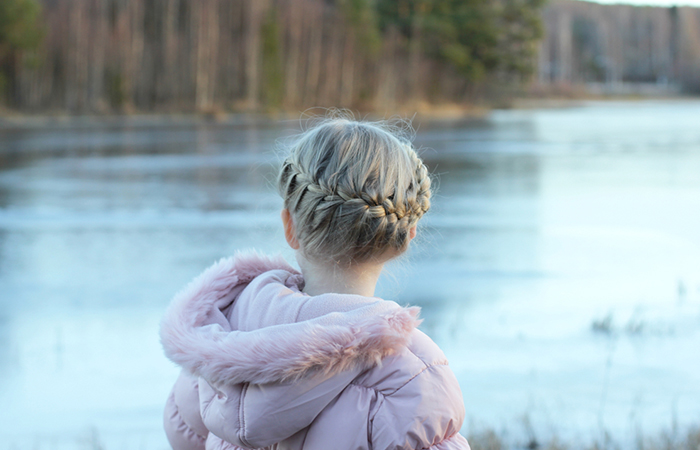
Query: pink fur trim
point(274, 353)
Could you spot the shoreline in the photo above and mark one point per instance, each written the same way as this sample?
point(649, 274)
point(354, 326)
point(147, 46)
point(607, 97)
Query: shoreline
point(11, 119)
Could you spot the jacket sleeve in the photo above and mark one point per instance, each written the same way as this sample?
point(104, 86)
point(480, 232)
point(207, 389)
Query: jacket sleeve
point(257, 415)
point(425, 413)
point(182, 420)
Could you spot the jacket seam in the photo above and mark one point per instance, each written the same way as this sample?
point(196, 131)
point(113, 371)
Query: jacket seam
point(205, 410)
point(419, 358)
point(303, 441)
point(182, 420)
point(241, 417)
point(416, 376)
point(381, 398)
point(427, 367)
point(369, 389)
point(370, 417)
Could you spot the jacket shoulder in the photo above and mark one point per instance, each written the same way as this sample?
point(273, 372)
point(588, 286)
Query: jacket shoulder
point(396, 370)
point(421, 403)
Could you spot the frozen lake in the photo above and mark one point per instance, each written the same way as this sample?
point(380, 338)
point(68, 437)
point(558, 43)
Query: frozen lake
point(559, 268)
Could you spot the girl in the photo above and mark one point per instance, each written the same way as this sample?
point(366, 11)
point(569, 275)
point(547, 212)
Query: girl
point(277, 359)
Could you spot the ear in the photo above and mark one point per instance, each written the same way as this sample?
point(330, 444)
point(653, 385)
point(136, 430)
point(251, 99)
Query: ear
point(412, 233)
point(290, 233)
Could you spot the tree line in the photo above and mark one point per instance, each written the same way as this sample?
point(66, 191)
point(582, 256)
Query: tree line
point(85, 56)
point(620, 44)
point(184, 55)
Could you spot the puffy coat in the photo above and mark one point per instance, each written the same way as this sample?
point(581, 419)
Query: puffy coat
point(267, 366)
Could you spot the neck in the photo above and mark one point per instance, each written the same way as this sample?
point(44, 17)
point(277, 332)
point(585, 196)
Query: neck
point(325, 278)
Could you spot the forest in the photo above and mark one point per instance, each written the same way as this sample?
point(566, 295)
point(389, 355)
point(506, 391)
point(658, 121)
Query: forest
point(121, 56)
point(184, 55)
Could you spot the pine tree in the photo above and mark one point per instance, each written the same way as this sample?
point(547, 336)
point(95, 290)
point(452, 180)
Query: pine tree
point(20, 34)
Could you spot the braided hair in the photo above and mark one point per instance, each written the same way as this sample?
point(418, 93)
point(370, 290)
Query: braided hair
point(354, 189)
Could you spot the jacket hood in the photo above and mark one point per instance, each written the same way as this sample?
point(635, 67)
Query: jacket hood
point(195, 339)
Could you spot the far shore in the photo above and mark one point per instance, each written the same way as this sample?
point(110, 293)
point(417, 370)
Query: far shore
point(415, 113)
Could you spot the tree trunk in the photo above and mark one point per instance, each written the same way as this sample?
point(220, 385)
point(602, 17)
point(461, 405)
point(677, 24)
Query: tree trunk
point(253, 61)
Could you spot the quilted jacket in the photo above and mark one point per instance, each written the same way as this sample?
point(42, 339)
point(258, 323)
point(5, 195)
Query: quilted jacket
point(267, 366)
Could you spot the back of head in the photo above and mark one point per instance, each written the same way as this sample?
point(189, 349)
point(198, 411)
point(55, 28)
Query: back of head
point(354, 189)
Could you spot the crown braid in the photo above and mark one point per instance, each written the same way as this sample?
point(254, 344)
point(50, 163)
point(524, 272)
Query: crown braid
point(354, 190)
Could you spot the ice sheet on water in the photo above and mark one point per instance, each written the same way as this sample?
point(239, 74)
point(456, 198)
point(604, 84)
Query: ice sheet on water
point(559, 268)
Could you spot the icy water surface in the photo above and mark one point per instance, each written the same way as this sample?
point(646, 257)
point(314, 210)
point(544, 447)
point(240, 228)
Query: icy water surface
point(559, 268)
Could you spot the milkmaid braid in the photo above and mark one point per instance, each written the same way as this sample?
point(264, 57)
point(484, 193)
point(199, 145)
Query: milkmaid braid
point(354, 189)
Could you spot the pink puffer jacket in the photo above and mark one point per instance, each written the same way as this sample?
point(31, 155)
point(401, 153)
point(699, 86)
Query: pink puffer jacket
point(267, 366)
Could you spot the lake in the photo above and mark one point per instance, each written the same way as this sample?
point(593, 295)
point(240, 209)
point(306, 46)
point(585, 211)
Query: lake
point(559, 267)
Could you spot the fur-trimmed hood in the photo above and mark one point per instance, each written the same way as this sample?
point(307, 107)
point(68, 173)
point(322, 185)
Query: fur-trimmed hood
point(196, 335)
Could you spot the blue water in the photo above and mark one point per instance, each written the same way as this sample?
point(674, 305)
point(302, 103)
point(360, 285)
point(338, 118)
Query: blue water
point(559, 268)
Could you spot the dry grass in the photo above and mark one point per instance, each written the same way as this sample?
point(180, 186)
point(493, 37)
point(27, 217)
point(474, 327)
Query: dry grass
point(489, 439)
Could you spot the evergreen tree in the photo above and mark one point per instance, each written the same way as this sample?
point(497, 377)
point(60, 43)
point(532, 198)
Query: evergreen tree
point(20, 32)
point(520, 25)
point(477, 37)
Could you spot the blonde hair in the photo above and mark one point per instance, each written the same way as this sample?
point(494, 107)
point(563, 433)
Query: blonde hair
point(354, 190)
